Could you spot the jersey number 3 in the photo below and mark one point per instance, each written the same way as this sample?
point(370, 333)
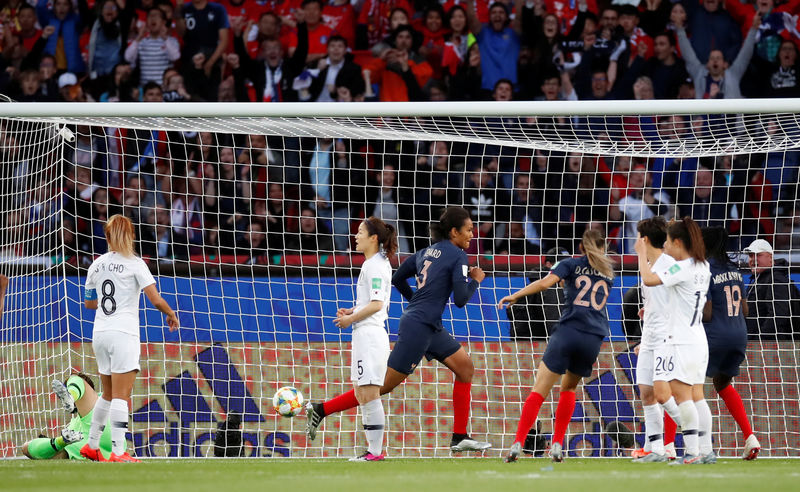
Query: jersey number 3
point(422, 279)
point(584, 283)
point(107, 302)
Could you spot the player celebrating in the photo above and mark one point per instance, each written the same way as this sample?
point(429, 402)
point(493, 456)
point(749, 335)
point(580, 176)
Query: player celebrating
point(78, 397)
point(655, 332)
point(573, 347)
point(120, 276)
point(378, 241)
point(724, 321)
point(682, 360)
point(440, 269)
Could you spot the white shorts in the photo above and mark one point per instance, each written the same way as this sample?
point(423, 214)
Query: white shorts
point(684, 363)
point(644, 367)
point(116, 352)
point(370, 353)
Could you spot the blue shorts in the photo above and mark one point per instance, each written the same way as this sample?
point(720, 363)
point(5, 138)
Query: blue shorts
point(725, 358)
point(416, 338)
point(572, 350)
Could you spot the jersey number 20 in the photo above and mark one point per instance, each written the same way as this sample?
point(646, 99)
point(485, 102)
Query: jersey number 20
point(584, 283)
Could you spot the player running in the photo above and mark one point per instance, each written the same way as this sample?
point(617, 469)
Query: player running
point(120, 276)
point(657, 312)
point(683, 359)
point(378, 241)
point(78, 397)
point(724, 321)
point(440, 270)
point(573, 347)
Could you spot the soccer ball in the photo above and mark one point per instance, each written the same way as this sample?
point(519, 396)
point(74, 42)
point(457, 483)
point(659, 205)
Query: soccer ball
point(288, 401)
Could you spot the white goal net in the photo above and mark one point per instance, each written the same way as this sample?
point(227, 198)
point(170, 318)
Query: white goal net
point(245, 214)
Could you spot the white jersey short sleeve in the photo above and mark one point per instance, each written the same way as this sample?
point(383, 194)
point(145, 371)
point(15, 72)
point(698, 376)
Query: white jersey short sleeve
point(657, 308)
point(374, 284)
point(688, 282)
point(118, 281)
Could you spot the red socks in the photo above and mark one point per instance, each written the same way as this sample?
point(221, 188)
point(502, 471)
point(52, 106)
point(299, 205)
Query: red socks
point(529, 413)
point(462, 397)
point(670, 427)
point(736, 408)
point(566, 406)
point(343, 402)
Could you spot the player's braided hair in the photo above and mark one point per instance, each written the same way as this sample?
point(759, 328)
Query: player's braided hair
point(594, 245)
point(387, 235)
point(716, 240)
point(452, 217)
point(689, 233)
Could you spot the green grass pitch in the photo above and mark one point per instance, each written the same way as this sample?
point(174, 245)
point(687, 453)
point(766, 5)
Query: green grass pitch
point(479, 474)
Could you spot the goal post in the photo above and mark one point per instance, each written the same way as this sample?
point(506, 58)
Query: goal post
point(245, 214)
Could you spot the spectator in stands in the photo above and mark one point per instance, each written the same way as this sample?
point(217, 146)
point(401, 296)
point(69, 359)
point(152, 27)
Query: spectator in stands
point(499, 42)
point(151, 92)
point(712, 28)
point(203, 26)
point(465, 84)
point(783, 79)
point(154, 50)
point(103, 207)
point(457, 42)
point(47, 72)
point(340, 16)
point(64, 44)
point(312, 239)
point(433, 38)
point(772, 298)
point(665, 69)
point(174, 88)
point(641, 202)
point(108, 38)
point(705, 203)
point(484, 201)
point(27, 30)
point(121, 86)
point(159, 240)
point(526, 210)
point(777, 23)
point(318, 33)
point(634, 35)
point(400, 72)
point(717, 80)
point(253, 244)
point(375, 20)
point(383, 202)
point(653, 19)
point(278, 213)
point(271, 74)
point(536, 316)
point(30, 87)
point(323, 84)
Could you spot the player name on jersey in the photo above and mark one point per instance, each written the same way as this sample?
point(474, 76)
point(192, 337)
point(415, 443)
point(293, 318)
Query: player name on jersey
point(727, 277)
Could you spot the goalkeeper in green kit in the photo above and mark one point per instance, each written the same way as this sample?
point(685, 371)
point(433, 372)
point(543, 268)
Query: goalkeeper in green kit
point(78, 397)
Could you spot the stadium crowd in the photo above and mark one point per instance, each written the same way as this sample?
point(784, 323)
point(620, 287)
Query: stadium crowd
point(254, 198)
point(397, 50)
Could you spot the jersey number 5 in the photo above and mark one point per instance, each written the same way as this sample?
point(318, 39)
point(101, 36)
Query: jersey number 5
point(584, 283)
point(423, 274)
point(107, 302)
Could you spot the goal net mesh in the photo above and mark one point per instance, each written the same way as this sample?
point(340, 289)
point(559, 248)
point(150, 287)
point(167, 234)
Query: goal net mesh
point(247, 224)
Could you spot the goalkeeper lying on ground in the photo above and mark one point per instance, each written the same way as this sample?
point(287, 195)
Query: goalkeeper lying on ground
point(78, 397)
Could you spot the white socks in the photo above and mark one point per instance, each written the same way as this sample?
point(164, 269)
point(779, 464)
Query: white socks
point(672, 410)
point(689, 425)
point(374, 419)
point(118, 415)
point(704, 426)
point(99, 419)
point(654, 428)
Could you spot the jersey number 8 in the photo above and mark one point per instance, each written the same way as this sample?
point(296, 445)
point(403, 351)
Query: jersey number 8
point(107, 289)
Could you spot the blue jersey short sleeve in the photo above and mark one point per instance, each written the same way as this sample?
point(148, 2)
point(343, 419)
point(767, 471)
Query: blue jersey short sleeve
point(727, 293)
point(586, 292)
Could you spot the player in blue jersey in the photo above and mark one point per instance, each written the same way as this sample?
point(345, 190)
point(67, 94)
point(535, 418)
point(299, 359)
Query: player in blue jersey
point(573, 348)
point(726, 330)
point(440, 270)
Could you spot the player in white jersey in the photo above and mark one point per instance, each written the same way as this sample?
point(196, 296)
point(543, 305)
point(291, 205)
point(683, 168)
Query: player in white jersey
point(655, 330)
point(683, 359)
point(113, 284)
point(378, 241)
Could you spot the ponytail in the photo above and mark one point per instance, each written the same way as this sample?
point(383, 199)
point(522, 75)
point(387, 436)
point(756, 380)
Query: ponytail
point(594, 245)
point(690, 235)
point(387, 235)
point(452, 217)
point(119, 234)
